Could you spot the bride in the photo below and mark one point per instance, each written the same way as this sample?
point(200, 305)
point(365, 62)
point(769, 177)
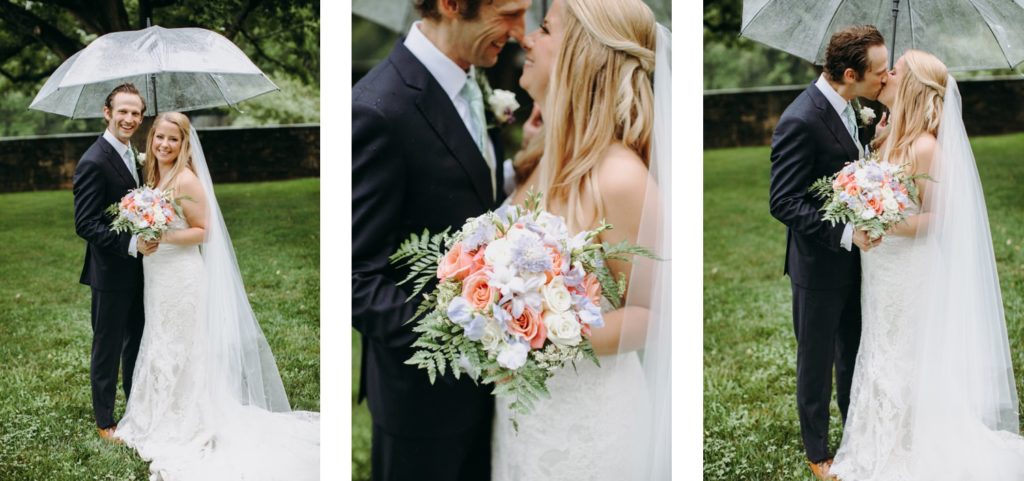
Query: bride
point(207, 402)
point(933, 395)
point(606, 150)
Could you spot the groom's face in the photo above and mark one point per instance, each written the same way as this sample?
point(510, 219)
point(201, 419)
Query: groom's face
point(124, 116)
point(876, 74)
point(479, 41)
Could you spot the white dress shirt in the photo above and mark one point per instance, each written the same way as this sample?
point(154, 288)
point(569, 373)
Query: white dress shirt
point(839, 104)
point(452, 78)
point(123, 151)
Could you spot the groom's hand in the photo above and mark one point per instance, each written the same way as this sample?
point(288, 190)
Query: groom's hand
point(863, 241)
point(147, 247)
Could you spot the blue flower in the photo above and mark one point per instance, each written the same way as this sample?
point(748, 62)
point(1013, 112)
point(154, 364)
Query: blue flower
point(590, 314)
point(459, 311)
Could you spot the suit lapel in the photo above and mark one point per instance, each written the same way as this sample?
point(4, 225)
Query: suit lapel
point(435, 106)
point(835, 124)
point(117, 163)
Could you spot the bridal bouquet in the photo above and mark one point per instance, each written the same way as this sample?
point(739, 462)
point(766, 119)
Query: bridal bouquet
point(144, 211)
point(517, 298)
point(871, 195)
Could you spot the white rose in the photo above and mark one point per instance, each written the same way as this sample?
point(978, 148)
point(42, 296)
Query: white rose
point(867, 213)
point(503, 104)
point(891, 205)
point(563, 328)
point(492, 336)
point(513, 356)
point(498, 253)
point(867, 114)
point(556, 296)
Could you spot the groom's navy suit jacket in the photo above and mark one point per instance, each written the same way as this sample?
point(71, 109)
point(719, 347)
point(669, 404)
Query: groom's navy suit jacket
point(414, 167)
point(810, 142)
point(101, 179)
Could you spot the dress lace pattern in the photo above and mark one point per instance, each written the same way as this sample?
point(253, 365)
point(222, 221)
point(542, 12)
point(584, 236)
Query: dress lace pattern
point(171, 422)
point(877, 435)
point(576, 433)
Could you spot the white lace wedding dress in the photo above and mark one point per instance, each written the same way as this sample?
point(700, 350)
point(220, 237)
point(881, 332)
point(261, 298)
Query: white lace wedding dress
point(171, 419)
point(877, 436)
point(578, 432)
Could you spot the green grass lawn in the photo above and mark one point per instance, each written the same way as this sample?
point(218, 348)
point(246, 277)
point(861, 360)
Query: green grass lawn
point(751, 431)
point(47, 431)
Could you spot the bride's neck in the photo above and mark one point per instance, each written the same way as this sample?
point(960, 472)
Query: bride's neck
point(164, 170)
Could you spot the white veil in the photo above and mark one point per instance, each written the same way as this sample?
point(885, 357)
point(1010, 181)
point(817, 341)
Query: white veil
point(965, 419)
point(238, 362)
point(650, 283)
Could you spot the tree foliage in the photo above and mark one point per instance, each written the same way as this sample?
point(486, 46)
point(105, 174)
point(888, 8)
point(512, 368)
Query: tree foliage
point(282, 37)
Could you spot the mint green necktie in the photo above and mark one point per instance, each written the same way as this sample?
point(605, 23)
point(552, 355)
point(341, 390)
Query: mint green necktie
point(475, 98)
point(851, 123)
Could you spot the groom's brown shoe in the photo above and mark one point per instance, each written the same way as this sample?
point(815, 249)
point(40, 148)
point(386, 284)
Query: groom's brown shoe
point(821, 469)
point(107, 434)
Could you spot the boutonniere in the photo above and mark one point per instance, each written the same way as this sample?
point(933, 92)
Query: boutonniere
point(140, 159)
point(501, 103)
point(865, 115)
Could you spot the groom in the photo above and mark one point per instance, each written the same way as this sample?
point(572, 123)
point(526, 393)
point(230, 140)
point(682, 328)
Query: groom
point(113, 261)
point(422, 159)
point(815, 136)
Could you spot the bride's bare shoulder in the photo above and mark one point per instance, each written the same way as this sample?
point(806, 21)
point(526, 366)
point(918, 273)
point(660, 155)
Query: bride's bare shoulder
point(621, 172)
point(924, 150)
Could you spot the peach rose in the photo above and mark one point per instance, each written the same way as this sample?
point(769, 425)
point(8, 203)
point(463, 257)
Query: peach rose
point(556, 264)
point(530, 327)
point(853, 190)
point(477, 291)
point(456, 263)
point(592, 288)
point(478, 262)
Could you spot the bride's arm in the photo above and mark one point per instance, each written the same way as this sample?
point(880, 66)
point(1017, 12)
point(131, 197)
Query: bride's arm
point(924, 151)
point(193, 201)
point(623, 184)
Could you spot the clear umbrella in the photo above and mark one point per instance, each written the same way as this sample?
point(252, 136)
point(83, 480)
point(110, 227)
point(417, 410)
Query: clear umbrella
point(398, 15)
point(964, 34)
point(178, 69)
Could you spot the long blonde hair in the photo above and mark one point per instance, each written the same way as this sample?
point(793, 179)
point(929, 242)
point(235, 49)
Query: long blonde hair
point(600, 94)
point(918, 105)
point(184, 160)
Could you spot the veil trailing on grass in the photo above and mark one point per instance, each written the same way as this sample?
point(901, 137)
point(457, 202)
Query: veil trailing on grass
point(965, 420)
point(241, 364)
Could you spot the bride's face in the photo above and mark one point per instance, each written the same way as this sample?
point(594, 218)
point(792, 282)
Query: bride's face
point(888, 94)
point(166, 142)
point(541, 48)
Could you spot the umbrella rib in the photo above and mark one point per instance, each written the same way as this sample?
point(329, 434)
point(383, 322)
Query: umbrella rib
point(78, 101)
point(743, 29)
point(828, 27)
point(1006, 57)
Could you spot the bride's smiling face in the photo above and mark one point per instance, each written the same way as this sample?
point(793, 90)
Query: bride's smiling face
point(166, 142)
point(541, 48)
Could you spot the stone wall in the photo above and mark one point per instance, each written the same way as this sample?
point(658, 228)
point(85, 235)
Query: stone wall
point(233, 155)
point(747, 117)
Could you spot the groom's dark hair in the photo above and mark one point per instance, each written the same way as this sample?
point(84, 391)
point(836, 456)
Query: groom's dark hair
point(125, 88)
point(848, 48)
point(468, 9)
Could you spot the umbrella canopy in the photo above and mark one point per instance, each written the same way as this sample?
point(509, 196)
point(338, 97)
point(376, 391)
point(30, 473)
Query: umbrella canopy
point(398, 15)
point(964, 34)
point(178, 69)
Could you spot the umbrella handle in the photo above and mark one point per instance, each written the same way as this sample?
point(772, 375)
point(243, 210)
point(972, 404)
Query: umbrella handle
point(895, 13)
